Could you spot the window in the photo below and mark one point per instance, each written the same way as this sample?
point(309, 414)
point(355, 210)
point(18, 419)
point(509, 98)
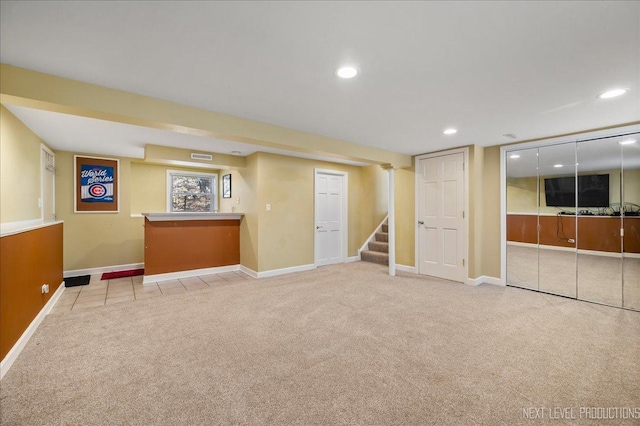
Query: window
point(191, 192)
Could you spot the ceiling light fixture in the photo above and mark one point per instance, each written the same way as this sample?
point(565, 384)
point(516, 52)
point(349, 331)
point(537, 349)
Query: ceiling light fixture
point(627, 142)
point(510, 135)
point(235, 153)
point(346, 72)
point(514, 156)
point(557, 166)
point(451, 131)
point(612, 93)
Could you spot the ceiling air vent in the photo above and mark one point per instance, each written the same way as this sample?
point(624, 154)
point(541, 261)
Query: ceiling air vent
point(206, 157)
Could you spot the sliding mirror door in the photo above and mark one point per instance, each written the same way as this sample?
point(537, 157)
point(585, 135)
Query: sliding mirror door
point(522, 218)
point(557, 207)
point(600, 221)
point(630, 146)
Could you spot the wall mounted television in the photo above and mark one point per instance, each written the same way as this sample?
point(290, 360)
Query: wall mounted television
point(593, 191)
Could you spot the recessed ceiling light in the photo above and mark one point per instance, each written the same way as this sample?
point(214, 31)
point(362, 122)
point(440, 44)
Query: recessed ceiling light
point(510, 135)
point(612, 93)
point(450, 131)
point(235, 153)
point(514, 156)
point(346, 72)
point(557, 166)
point(627, 142)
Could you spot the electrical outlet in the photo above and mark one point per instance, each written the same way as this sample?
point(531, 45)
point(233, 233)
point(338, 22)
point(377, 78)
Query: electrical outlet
point(572, 241)
point(45, 288)
point(268, 207)
point(238, 200)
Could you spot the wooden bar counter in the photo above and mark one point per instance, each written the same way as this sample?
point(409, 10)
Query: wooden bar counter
point(182, 242)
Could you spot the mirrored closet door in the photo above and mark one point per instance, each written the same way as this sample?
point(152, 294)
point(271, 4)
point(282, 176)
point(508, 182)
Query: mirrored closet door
point(573, 219)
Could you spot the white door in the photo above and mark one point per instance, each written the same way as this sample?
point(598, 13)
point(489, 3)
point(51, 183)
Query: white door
point(47, 198)
point(441, 227)
point(328, 219)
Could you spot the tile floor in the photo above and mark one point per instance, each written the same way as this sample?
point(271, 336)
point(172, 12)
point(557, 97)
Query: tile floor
point(101, 293)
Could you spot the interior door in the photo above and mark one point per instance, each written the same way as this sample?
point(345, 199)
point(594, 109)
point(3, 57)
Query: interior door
point(557, 237)
point(328, 219)
point(523, 193)
point(441, 229)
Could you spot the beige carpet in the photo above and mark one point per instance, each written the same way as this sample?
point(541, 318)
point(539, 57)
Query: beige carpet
point(344, 344)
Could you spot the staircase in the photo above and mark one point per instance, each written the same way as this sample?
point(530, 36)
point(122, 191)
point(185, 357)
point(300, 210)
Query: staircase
point(379, 249)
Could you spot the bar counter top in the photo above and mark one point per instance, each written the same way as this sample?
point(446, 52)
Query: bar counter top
point(154, 217)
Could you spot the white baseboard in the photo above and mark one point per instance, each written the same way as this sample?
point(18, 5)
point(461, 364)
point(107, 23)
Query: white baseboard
point(283, 271)
point(248, 271)
point(148, 279)
point(12, 355)
point(405, 268)
point(102, 270)
point(483, 279)
point(352, 259)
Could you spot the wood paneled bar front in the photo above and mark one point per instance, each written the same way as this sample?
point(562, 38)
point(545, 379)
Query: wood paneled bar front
point(176, 243)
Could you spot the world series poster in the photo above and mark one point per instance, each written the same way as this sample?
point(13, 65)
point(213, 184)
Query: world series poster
point(96, 185)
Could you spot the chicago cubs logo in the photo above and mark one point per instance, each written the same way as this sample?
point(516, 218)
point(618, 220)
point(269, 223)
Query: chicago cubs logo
point(97, 190)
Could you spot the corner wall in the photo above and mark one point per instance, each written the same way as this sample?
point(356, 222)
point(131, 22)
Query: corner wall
point(20, 179)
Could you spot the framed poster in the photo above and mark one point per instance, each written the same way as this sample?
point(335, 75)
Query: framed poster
point(226, 186)
point(96, 185)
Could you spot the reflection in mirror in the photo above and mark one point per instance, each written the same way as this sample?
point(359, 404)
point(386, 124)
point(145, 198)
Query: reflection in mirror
point(522, 218)
point(557, 218)
point(630, 146)
point(599, 221)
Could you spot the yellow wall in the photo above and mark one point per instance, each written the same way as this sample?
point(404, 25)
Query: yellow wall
point(405, 212)
point(20, 178)
point(287, 231)
point(491, 221)
point(93, 240)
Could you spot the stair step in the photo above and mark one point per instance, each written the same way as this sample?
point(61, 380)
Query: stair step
point(374, 257)
point(379, 246)
point(382, 237)
point(385, 228)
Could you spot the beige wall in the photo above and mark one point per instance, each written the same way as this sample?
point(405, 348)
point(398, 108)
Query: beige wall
point(149, 186)
point(491, 221)
point(93, 240)
point(405, 212)
point(20, 179)
point(287, 231)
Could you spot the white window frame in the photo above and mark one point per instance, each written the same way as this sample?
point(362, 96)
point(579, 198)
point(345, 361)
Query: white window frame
point(214, 187)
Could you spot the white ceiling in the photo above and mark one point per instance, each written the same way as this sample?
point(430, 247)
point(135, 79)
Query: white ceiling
point(487, 68)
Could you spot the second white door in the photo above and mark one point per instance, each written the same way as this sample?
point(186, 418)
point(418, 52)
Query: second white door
point(328, 219)
point(441, 226)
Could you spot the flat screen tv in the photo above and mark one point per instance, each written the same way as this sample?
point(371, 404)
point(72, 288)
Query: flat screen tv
point(593, 191)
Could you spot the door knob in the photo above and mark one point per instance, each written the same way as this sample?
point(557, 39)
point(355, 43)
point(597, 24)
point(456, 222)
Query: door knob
point(421, 222)
point(318, 227)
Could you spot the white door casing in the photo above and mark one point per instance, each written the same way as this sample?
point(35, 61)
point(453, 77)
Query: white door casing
point(330, 217)
point(441, 230)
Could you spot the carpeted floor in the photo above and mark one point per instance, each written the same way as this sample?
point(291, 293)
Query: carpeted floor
point(343, 344)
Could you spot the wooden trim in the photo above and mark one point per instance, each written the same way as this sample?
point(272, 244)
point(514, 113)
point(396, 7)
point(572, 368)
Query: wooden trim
point(29, 260)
